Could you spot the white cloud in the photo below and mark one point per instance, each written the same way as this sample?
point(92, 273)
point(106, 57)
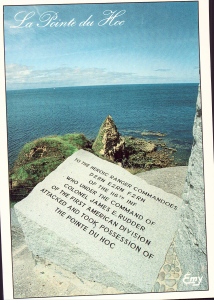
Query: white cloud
point(163, 70)
point(21, 77)
point(17, 73)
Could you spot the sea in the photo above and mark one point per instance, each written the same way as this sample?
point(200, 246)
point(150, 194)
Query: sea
point(135, 109)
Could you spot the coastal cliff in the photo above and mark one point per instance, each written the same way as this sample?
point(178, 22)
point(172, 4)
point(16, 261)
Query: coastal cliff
point(108, 143)
point(40, 157)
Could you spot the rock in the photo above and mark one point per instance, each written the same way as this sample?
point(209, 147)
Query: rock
point(157, 287)
point(170, 258)
point(152, 133)
point(162, 288)
point(191, 237)
point(170, 282)
point(129, 151)
point(161, 276)
point(108, 143)
point(135, 145)
point(167, 268)
point(147, 155)
point(170, 251)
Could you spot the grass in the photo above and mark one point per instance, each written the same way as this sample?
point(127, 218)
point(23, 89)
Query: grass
point(40, 157)
point(51, 146)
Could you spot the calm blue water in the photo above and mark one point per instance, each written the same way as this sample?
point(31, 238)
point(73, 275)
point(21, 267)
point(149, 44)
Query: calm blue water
point(168, 108)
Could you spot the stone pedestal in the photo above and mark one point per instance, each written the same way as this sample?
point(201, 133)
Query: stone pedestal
point(191, 235)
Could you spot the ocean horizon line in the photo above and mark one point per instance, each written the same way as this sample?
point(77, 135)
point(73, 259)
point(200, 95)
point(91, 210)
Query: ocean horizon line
point(103, 85)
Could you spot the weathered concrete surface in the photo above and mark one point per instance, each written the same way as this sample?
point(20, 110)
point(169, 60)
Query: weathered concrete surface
point(53, 236)
point(39, 278)
point(33, 277)
point(169, 179)
point(191, 236)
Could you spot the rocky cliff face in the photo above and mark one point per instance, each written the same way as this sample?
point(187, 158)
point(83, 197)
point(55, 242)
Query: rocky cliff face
point(191, 237)
point(40, 157)
point(109, 143)
point(131, 152)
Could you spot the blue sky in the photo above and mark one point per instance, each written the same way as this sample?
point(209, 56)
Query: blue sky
point(149, 43)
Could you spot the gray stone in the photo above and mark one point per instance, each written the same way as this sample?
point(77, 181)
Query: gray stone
point(170, 258)
point(162, 288)
point(161, 276)
point(170, 251)
point(176, 263)
point(167, 268)
point(76, 219)
point(170, 282)
point(170, 179)
point(191, 237)
point(176, 275)
point(157, 287)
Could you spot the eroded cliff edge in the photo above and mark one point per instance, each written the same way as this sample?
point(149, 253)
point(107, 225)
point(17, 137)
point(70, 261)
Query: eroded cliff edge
point(40, 157)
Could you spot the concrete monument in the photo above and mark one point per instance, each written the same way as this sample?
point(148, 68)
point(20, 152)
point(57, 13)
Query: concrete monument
point(96, 219)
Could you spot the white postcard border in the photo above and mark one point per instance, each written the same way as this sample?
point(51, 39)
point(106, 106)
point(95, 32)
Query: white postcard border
point(208, 161)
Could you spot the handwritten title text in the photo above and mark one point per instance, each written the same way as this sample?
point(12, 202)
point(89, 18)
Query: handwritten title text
point(52, 19)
